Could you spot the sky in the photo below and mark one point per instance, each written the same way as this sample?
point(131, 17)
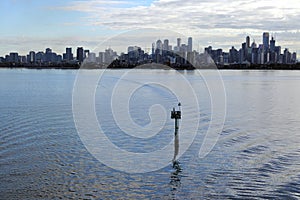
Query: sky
point(35, 24)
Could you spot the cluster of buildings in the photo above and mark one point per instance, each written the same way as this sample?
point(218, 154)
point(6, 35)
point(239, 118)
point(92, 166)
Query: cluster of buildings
point(51, 58)
point(253, 54)
point(163, 52)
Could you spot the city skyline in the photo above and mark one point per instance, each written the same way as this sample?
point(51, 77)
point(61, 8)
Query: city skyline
point(37, 25)
point(179, 55)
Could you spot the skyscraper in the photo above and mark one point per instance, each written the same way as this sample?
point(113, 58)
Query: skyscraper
point(266, 41)
point(86, 53)
point(159, 46)
point(31, 57)
point(68, 56)
point(153, 48)
point(190, 44)
point(248, 42)
point(272, 45)
point(48, 55)
point(178, 42)
point(266, 46)
point(273, 55)
point(79, 54)
point(166, 45)
point(14, 57)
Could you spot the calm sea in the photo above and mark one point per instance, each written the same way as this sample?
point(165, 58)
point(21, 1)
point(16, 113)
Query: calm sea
point(257, 154)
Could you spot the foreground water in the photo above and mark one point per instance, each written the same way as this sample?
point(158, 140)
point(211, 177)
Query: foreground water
point(256, 156)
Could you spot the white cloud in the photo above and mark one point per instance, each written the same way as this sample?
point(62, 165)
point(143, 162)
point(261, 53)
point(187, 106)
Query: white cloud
point(206, 20)
point(192, 14)
point(220, 23)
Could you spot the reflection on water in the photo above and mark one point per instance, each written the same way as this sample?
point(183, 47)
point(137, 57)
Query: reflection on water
point(176, 146)
point(176, 174)
point(175, 181)
point(257, 155)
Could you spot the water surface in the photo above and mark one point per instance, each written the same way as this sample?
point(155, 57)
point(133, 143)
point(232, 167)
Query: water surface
point(257, 154)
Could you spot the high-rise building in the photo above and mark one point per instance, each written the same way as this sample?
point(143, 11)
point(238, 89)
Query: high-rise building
point(233, 55)
point(48, 51)
point(248, 42)
point(101, 58)
point(178, 42)
point(40, 57)
point(80, 54)
point(266, 46)
point(272, 54)
point(166, 45)
point(48, 55)
point(68, 56)
point(153, 48)
point(266, 41)
point(31, 57)
point(253, 45)
point(13, 57)
point(286, 56)
point(254, 56)
point(86, 53)
point(92, 58)
point(294, 57)
point(190, 44)
point(244, 52)
point(272, 45)
point(260, 56)
point(159, 47)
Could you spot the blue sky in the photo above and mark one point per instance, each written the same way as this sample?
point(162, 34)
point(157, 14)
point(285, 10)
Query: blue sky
point(36, 24)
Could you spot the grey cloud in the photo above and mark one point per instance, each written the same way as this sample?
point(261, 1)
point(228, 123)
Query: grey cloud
point(218, 20)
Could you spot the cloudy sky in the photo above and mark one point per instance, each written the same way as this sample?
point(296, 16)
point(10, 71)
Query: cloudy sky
point(35, 24)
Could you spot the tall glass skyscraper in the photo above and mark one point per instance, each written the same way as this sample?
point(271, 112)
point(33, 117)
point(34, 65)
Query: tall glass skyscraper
point(266, 36)
point(190, 44)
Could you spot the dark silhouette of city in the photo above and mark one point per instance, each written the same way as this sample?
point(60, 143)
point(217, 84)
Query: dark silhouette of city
point(163, 55)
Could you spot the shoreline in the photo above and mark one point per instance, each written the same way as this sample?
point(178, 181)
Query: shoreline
point(156, 66)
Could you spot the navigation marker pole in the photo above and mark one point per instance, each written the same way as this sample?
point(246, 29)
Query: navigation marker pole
point(177, 116)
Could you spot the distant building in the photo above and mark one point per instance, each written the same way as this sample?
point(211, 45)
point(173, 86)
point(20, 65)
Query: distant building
point(159, 47)
point(244, 52)
point(272, 45)
point(68, 56)
point(101, 58)
point(233, 55)
point(272, 54)
point(248, 42)
point(91, 58)
point(260, 56)
point(287, 56)
point(80, 54)
point(22, 59)
point(48, 55)
point(266, 46)
point(86, 53)
point(266, 41)
point(178, 42)
point(254, 56)
point(190, 44)
point(166, 45)
point(294, 57)
point(31, 57)
point(40, 57)
point(253, 45)
point(110, 56)
point(14, 57)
